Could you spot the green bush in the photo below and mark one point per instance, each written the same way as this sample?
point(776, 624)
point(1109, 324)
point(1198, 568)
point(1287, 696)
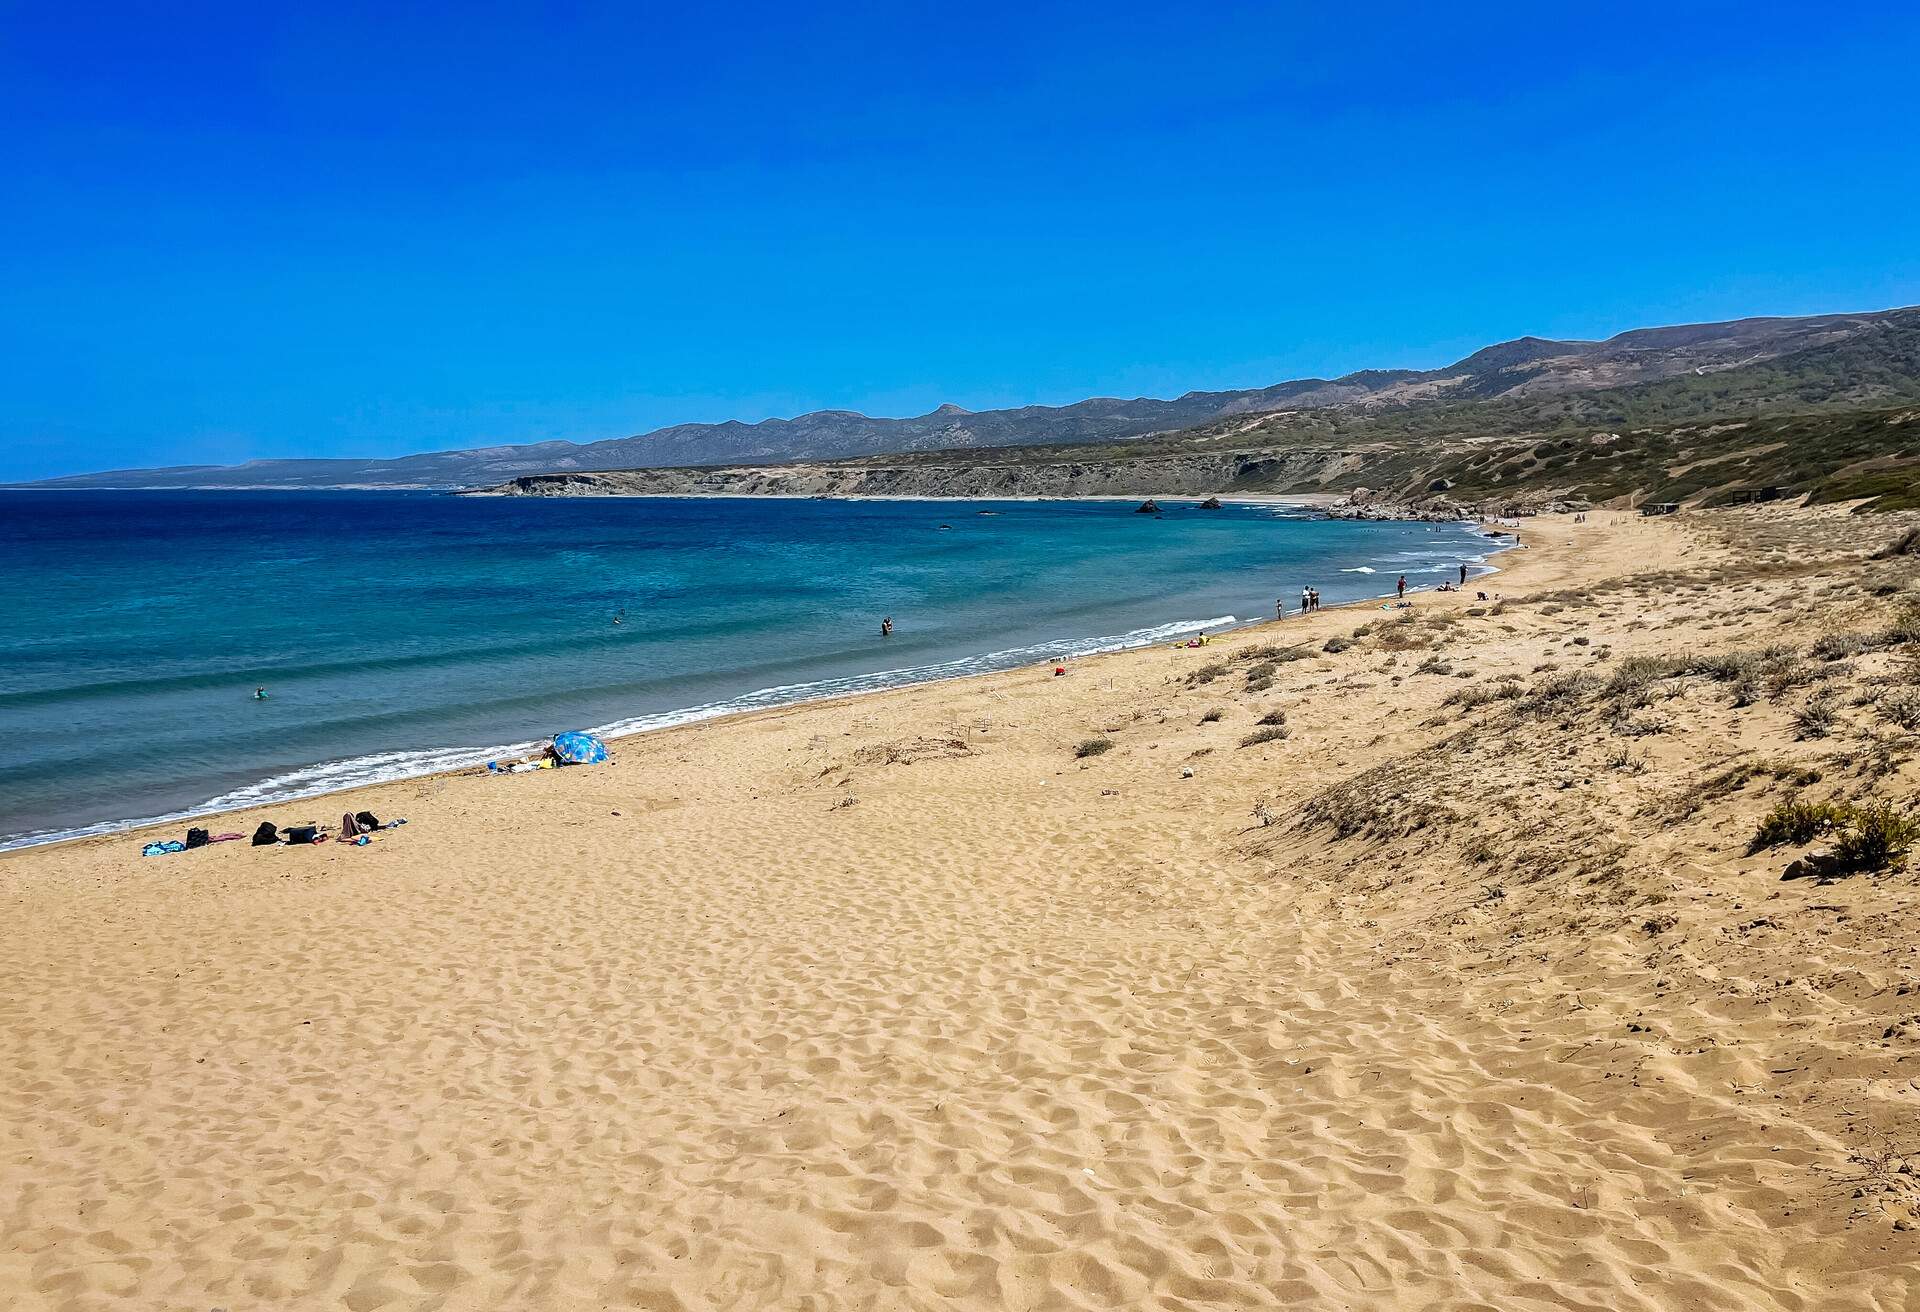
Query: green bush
point(1336, 644)
point(1877, 836)
point(1796, 822)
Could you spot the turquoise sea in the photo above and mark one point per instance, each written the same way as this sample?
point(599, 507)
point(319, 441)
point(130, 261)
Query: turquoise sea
point(400, 633)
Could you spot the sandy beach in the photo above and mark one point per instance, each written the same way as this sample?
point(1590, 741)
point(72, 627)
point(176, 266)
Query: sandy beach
point(1465, 993)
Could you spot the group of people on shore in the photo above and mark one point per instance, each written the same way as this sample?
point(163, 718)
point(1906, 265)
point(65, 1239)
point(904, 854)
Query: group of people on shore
point(1310, 597)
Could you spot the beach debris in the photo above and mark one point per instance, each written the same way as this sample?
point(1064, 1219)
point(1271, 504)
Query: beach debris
point(1186, 772)
point(912, 751)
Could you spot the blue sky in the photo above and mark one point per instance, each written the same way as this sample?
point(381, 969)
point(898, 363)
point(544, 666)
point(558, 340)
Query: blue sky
point(233, 232)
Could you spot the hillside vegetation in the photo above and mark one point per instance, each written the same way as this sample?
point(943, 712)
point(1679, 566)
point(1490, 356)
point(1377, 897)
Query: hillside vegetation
point(1835, 422)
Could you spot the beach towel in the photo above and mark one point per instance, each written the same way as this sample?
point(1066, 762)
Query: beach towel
point(162, 849)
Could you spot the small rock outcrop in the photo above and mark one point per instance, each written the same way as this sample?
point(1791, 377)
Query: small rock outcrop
point(1147, 507)
point(1211, 503)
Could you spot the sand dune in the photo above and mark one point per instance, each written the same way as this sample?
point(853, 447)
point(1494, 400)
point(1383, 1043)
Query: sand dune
point(896, 1004)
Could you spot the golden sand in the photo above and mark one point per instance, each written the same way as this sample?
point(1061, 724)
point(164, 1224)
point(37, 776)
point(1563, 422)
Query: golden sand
point(894, 1003)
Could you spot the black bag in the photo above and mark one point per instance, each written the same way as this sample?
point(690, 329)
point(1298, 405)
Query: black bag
point(367, 821)
point(196, 838)
point(266, 835)
point(303, 833)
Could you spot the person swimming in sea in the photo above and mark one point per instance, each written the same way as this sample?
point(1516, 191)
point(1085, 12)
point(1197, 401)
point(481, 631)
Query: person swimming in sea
point(886, 627)
point(259, 694)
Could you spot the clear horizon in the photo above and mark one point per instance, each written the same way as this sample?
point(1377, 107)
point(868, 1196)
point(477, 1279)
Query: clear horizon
point(249, 235)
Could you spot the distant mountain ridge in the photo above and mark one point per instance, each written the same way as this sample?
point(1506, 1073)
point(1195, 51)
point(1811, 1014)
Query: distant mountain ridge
point(1526, 367)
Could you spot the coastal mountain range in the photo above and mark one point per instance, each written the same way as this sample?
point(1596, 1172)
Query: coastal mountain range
point(1525, 374)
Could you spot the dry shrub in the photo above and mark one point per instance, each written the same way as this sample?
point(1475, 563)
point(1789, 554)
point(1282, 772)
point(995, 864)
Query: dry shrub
point(1817, 718)
point(1838, 646)
point(1558, 696)
point(1206, 673)
point(1506, 688)
point(1635, 676)
point(1902, 708)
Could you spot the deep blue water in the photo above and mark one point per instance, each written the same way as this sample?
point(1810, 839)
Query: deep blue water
point(398, 633)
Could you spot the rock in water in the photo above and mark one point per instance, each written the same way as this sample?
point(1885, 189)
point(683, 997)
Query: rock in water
point(1148, 507)
point(1211, 503)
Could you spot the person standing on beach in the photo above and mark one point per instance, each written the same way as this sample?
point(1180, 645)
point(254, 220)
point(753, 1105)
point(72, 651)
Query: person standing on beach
point(1403, 585)
point(1280, 609)
point(1306, 600)
point(1463, 573)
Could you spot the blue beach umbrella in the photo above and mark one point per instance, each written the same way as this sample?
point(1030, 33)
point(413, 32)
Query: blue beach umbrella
point(578, 748)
